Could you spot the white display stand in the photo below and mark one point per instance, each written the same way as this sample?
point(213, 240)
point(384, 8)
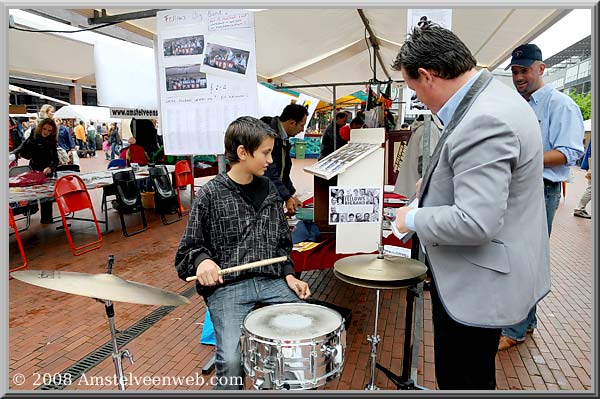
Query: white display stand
point(362, 171)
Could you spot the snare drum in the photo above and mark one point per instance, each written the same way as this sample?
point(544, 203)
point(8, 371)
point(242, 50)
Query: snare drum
point(293, 346)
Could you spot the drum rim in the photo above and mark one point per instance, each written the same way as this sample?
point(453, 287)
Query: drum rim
point(313, 305)
point(293, 342)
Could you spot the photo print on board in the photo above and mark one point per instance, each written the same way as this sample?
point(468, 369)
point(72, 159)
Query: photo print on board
point(189, 45)
point(226, 58)
point(354, 205)
point(186, 77)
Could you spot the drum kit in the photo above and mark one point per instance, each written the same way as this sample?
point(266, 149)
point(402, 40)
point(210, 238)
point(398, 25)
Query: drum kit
point(286, 346)
point(105, 288)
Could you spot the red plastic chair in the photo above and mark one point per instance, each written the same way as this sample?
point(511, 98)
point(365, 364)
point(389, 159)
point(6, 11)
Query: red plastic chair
point(184, 177)
point(12, 224)
point(71, 196)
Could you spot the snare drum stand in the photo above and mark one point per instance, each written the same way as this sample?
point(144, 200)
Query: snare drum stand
point(117, 355)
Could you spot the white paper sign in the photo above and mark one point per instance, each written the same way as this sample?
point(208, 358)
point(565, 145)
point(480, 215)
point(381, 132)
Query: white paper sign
point(442, 17)
point(207, 76)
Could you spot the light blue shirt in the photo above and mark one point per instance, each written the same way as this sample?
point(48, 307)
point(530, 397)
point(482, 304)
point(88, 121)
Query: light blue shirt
point(562, 128)
point(447, 111)
point(445, 114)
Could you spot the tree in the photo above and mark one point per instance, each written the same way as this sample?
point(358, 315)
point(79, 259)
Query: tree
point(584, 101)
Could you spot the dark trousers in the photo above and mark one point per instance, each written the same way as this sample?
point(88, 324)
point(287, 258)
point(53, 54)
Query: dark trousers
point(92, 146)
point(465, 356)
point(46, 211)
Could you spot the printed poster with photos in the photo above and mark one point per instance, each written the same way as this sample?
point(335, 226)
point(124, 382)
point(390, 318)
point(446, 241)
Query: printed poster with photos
point(416, 17)
point(355, 204)
point(207, 76)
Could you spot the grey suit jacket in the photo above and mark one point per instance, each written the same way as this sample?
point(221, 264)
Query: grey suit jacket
point(483, 221)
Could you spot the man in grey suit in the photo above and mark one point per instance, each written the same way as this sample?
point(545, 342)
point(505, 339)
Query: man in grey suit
point(481, 216)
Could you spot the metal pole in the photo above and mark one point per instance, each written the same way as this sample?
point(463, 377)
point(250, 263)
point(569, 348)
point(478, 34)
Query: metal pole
point(374, 43)
point(116, 355)
point(221, 163)
point(374, 340)
point(333, 120)
point(400, 110)
point(281, 86)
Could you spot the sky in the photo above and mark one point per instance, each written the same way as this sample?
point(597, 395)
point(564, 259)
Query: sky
point(569, 30)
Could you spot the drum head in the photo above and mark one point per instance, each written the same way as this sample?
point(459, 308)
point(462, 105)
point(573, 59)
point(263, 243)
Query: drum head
point(292, 321)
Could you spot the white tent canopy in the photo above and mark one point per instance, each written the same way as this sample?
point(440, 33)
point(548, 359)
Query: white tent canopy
point(328, 46)
point(85, 113)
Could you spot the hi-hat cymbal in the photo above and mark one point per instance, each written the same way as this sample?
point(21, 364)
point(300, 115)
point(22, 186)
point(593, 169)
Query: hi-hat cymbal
point(379, 285)
point(100, 286)
point(387, 270)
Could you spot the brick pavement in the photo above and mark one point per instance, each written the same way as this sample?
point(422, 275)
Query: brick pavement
point(50, 330)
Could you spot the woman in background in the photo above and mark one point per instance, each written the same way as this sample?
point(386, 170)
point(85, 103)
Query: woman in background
point(47, 111)
point(40, 149)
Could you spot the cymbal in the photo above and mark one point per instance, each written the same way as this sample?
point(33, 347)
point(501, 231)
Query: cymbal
point(388, 270)
point(101, 286)
point(379, 285)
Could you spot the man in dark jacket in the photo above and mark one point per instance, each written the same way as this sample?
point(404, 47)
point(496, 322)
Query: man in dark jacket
point(289, 124)
point(327, 146)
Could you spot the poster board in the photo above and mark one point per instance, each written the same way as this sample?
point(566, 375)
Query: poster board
point(415, 17)
point(207, 76)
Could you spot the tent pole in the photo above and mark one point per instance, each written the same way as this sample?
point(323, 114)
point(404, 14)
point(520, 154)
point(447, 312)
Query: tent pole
point(401, 113)
point(333, 120)
point(282, 86)
point(221, 163)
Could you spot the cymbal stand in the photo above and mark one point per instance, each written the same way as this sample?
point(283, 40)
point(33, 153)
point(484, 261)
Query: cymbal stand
point(117, 355)
point(407, 380)
point(374, 340)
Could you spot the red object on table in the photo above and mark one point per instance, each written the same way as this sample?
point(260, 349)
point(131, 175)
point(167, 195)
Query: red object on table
point(323, 256)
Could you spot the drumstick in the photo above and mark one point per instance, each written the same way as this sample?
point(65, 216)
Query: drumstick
point(250, 265)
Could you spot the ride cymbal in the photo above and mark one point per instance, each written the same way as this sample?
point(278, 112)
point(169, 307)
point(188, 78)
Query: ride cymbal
point(389, 270)
point(101, 286)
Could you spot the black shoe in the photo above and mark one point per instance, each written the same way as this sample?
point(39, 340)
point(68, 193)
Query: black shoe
point(426, 285)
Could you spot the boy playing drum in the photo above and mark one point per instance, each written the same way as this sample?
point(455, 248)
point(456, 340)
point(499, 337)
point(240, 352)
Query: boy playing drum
point(238, 218)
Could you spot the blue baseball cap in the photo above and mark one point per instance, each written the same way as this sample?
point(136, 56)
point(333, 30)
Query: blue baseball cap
point(525, 55)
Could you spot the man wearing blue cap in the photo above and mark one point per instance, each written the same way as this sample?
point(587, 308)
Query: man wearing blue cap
point(562, 128)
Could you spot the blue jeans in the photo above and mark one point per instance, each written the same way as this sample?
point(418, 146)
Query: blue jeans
point(228, 307)
point(552, 198)
point(114, 151)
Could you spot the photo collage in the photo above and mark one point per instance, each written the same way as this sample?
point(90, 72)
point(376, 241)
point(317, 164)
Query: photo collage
point(196, 55)
point(354, 205)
